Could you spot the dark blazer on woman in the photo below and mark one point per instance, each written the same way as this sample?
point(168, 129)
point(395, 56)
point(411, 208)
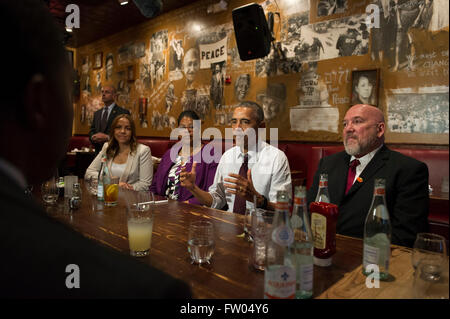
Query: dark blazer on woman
point(406, 193)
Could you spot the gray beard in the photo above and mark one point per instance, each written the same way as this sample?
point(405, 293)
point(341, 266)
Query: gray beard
point(361, 148)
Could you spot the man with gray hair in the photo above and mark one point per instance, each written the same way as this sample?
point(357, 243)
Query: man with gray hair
point(351, 176)
point(251, 169)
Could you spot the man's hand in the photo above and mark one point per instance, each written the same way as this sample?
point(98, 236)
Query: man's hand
point(100, 137)
point(241, 186)
point(187, 179)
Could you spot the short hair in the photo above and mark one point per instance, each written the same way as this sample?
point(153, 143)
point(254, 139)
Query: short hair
point(255, 107)
point(188, 113)
point(36, 44)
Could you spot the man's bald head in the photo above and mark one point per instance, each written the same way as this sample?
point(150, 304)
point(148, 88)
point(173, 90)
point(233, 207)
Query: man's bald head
point(364, 128)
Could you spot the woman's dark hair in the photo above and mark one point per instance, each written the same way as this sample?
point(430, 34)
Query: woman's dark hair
point(188, 113)
point(113, 146)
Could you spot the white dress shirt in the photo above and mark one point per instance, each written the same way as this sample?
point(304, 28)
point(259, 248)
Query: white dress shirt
point(363, 161)
point(269, 168)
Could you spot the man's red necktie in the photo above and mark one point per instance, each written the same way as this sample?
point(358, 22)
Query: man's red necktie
point(351, 174)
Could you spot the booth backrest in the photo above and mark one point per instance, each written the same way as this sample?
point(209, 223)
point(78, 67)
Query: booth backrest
point(304, 157)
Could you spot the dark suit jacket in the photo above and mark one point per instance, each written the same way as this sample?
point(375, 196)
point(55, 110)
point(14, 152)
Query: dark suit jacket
point(96, 123)
point(36, 250)
point(406, 193)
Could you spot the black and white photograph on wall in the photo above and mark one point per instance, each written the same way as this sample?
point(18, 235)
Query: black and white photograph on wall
point(85, 65)
point(197, 101)
point(365, 87)
point(98, 82)
point(158, 44)
point(217, 83)
point(161, 121)
point(191, 65)
point(272, 100)
point(393, 40)
point(98, 57)
point(125, 53)
point(86, 85)
point(122, 88)
point(329, 7)
point(311, 89)
point(346, 36)
point(241, 86)
point(176, 54)
point(144, 75)
point(139, 50)
point(170, 97)
point(109, 65)
point(83, 114)
point(426, 113)
point(277, 62)
point(292, 26)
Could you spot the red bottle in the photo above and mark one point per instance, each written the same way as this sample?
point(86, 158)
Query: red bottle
point(323, 224)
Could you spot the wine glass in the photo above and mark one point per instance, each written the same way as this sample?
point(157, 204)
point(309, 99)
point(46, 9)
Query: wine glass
point(430, 252)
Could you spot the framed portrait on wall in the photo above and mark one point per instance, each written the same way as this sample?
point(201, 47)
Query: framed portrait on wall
point(131, 73)
point(365, 86)
point(98, 60)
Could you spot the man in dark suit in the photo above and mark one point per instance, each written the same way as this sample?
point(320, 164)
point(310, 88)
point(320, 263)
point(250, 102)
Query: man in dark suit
point(406, 179)
point(41, 257)
point(103, 118)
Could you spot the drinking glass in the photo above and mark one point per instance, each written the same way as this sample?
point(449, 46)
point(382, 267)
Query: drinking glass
point(140, 222)
point(111, 192)
point(247, 224)
point(425, 286)
point(261, 225)
point(92, 185)
point(201, 241)
point(429, 250)
point(49, 191)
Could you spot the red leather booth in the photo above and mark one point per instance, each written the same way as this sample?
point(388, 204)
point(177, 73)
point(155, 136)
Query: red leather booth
point(304, 159)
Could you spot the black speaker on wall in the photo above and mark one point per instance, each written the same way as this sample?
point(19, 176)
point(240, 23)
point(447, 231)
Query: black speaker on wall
point(252, 33)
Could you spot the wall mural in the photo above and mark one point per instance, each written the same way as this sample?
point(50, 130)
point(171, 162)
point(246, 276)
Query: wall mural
point(188, 60)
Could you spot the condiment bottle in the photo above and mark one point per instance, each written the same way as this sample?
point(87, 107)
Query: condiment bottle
point(323, 225)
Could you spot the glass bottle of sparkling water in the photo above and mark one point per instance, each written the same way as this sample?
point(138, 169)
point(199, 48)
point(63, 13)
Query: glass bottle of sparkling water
point(322, 193)
point(100, 179)
point(303, 244)
point(279, 273)
point(377, 233)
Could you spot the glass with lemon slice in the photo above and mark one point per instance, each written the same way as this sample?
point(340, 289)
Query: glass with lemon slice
point(111, 191)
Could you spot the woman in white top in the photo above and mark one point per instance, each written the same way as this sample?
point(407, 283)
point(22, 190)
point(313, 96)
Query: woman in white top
point(125, 157)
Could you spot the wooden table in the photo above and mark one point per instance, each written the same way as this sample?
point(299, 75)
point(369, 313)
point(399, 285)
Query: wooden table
point(229, 275)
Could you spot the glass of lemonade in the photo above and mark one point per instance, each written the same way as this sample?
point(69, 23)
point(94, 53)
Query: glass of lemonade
point(111, 192)
point(201, 241)
point(140, 227)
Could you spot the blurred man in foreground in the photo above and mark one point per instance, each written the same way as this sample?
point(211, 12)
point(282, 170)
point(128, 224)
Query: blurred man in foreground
point(35, 127)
